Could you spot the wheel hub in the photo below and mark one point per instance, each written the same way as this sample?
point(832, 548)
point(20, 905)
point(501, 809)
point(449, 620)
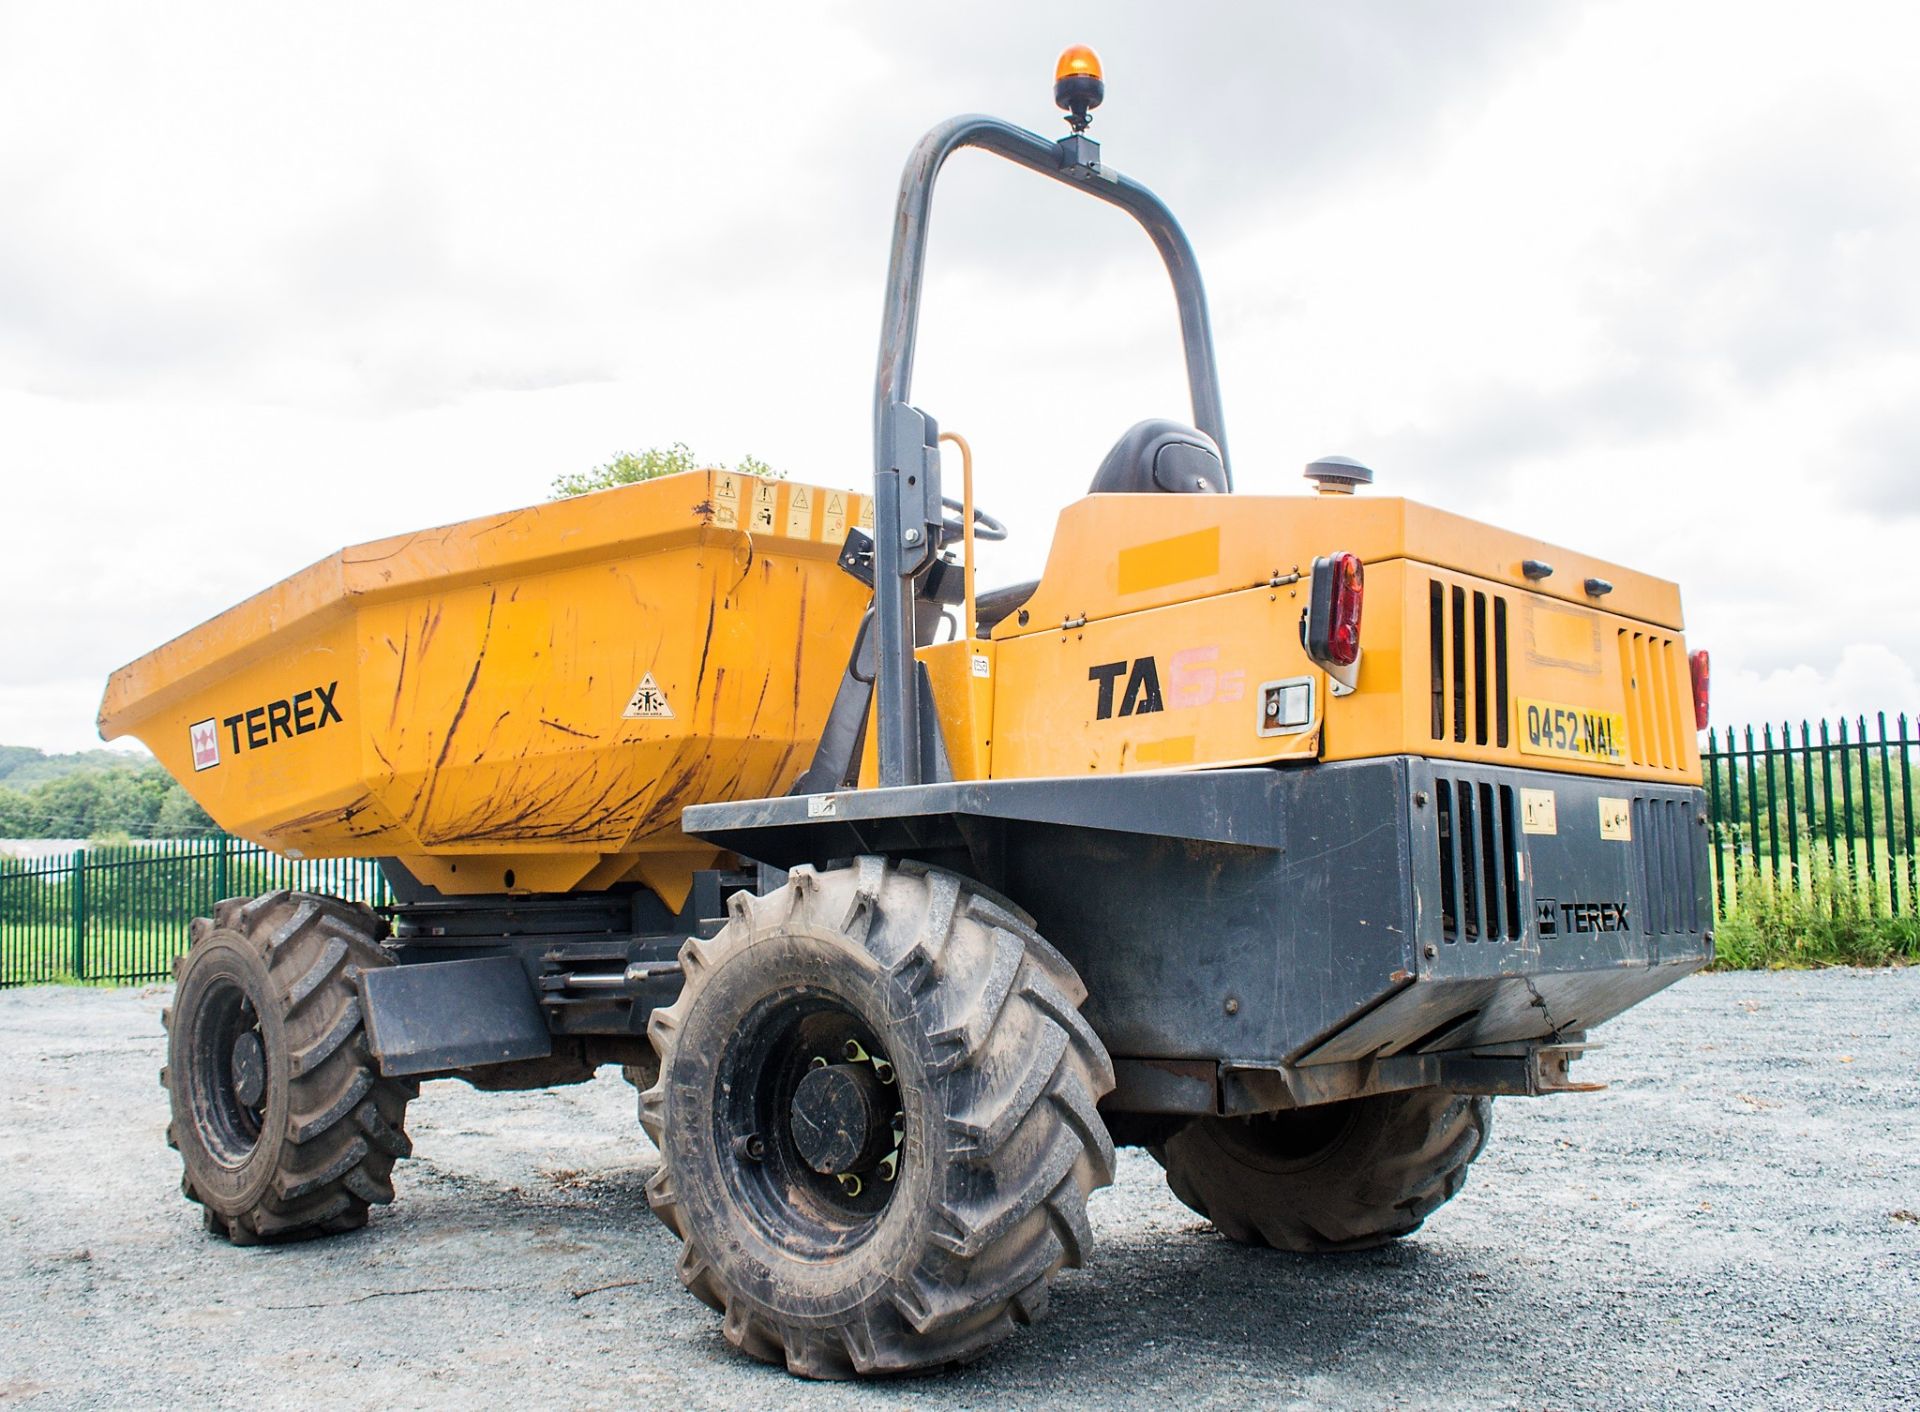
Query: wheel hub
point(249, 1066)
point(224, 1064)
point(839, 1119)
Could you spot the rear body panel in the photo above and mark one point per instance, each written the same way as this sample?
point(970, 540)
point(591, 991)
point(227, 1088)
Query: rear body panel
point(1165, 634)
point(1273, 918)
point(1463, 668)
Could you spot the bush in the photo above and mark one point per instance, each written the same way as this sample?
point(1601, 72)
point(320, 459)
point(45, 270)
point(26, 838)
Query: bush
point(1826, 922)
point(651, 464)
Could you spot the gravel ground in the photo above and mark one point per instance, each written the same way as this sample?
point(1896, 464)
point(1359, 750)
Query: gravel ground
point(1734, 1223)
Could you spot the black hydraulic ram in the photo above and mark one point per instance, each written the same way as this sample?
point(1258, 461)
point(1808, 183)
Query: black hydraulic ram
point(906, 467)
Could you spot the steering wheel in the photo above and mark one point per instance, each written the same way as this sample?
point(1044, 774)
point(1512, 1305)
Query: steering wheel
point(985, 527)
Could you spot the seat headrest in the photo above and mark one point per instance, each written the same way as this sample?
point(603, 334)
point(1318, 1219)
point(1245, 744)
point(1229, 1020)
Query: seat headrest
point(1162, 455)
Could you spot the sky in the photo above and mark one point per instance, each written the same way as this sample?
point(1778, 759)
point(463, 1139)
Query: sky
point(1638, 279)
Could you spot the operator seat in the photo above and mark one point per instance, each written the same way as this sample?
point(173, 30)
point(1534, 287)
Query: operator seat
point(1161, 455)
point(1156, 455)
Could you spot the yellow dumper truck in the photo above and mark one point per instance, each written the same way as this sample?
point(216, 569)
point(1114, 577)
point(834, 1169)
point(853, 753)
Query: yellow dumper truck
point(905, 901)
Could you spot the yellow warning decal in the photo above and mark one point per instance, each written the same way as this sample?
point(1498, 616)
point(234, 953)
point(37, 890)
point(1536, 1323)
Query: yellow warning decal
point(799, 513)
point(648, 702)
point(766, 500)
point(726, 500)
point(1537, 812)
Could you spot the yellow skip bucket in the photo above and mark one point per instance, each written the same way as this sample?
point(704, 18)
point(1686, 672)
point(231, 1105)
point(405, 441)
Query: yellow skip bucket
point(523, 702)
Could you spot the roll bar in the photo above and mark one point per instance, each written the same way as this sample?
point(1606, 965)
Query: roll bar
point(906, 470)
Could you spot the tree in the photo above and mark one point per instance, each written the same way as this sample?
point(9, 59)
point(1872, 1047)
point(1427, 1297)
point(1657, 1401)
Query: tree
point(629, 469)
point(124, 800)
point(180, 817)
point(17, 817)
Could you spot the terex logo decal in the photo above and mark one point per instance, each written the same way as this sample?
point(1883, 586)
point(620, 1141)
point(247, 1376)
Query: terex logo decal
point(204, 737)
point(255, 729)
point(1557, 918)
point(1142, 693)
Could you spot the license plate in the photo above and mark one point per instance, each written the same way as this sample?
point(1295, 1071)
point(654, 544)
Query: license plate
point(1572, 733)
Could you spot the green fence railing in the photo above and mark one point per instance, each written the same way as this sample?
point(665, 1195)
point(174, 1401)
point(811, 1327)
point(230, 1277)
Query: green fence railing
point(118, 913)
point(1832, 810)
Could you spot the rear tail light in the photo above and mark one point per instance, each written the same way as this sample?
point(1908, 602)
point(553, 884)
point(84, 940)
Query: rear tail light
point(1333, 610)
point(1698, 662)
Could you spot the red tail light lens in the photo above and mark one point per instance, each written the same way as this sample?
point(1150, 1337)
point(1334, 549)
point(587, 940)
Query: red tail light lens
point(1698, 662)
point(1333, 610)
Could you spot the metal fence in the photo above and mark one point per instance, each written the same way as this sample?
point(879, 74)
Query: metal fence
point(118, 913)
point(1832, 810)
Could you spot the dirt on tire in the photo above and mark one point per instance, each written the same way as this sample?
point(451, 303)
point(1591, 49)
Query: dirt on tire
point(997, 1075)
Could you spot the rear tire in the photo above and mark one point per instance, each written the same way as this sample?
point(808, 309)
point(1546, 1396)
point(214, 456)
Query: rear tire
point(1341, 1176)
point(826, 1243)
point(283, 1122)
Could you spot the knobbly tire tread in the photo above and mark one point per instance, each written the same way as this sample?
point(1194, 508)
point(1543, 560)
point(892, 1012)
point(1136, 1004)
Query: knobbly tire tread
point(1001, 1025)
point(1400, 1157)
point(345, 1124)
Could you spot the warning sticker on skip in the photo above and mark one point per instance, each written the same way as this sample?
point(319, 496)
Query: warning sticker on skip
point(766, 499)
point(799, 513)
point(649, 702)
point(726, 500)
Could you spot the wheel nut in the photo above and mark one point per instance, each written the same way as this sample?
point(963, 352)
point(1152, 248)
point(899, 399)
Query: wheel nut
point(854, 1052)
point(850, 1184)
point(889, 1166)
point(883, 1071)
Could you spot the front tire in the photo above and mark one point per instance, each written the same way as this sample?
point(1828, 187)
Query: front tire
point(876, 1120)
point(1340, 1176)
point(283, 1122)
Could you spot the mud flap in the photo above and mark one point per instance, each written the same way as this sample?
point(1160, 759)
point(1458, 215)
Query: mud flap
point(441, 1015)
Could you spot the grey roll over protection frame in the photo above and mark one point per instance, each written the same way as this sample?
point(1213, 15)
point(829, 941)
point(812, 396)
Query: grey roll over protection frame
point(906, 471)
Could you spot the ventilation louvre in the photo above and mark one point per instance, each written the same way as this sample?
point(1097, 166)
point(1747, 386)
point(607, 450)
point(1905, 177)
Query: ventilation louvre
point(1662, 829)
point(1652, 676)
point(1479, 861)
point(1467, 655)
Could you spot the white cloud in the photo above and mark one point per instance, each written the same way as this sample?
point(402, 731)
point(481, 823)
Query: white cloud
point(1634, 278)
point(1830, 690)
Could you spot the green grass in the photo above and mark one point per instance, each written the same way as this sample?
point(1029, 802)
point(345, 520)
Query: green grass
point(1828, 922)
point(39, 955)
